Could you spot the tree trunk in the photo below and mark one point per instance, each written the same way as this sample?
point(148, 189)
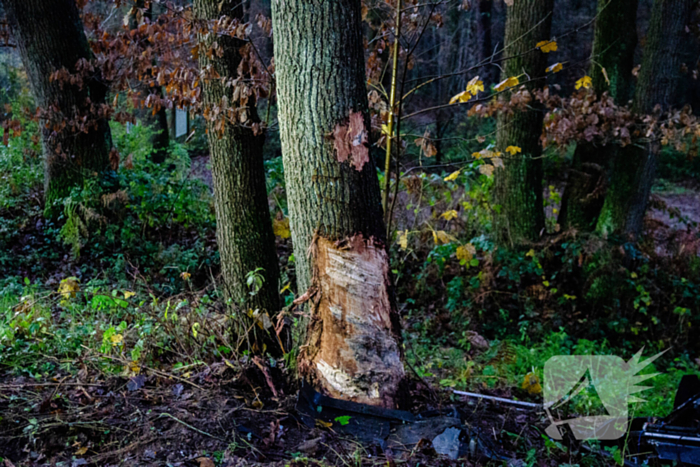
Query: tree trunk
point(658, 84)
point(50, 37)
point(614, 41)
point(483, 34)
point(244, 227)
point(518, 186)
point(342, 264)
point(156, 121)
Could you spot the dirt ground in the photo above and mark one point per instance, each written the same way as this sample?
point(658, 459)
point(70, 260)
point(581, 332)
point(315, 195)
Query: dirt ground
point(219, 417)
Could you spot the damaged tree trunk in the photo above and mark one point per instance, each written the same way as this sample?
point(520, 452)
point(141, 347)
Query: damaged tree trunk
point(352, 351)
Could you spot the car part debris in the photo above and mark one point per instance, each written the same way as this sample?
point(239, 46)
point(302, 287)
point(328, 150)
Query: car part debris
point(529, 405)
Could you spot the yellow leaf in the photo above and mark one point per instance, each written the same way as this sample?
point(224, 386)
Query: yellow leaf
point(403, 239)
point(507, 83)
point(465, 253)
point(475, 85)
point(554, 68)
point(452, 176)
point(584, 82)
point(441, 237)
point(134, 367)
point(195, 327)
point(530, 253)
point(185, 276)
point(69, 287)
point(281, 228)
point(449, 215)
point(547, 46)
point(531, 384)
point(128, 295)
point(385, 128)
point(463, 96)
point(81, 451)
point(116, 339)
point(513, 150)
point(486, 169)
point(323, 424)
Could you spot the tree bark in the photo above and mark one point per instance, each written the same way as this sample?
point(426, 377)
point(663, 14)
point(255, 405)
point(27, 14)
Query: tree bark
point(244, 227)
point(342, 264)
point(50, 37)
point(614, 41)
point(518, 186)
point(658, 84)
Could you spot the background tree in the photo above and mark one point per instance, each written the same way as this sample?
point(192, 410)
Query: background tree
point(244, 229)
point(614, 43)
point(518, 185)
point(658, 85)
point(76, 136)
point(338, 232)
point(156, 118)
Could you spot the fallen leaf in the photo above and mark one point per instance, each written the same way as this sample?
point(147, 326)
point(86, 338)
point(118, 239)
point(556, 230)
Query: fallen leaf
point(205, 462)
point(531, 383)
point(449, 215)
point(281, 228)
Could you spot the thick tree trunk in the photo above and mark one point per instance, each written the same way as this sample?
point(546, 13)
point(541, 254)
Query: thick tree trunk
point(352, 349)
point(518, 186)
point(156, 121)
point(658, 84)
point(244, 227)
point(614, 41)
point(51, 37)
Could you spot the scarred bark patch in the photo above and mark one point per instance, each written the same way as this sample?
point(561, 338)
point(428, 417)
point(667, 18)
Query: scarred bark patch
point(350, 141)
point(352, 352)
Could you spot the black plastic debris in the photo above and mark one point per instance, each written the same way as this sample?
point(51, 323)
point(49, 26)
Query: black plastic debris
point(677, 436)
point(395, 430)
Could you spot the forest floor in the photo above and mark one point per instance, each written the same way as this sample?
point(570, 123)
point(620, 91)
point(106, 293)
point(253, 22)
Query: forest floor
point(198, 408)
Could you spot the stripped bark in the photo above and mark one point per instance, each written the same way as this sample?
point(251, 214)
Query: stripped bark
point(338, 231)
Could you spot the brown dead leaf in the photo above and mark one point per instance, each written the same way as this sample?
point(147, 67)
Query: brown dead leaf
point(205, 462)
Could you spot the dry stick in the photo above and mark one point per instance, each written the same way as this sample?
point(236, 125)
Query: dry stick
point(165, 414)
point(390, 132)
point(390, 211)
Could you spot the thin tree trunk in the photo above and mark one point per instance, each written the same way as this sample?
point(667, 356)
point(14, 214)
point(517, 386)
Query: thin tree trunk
point(342, 264)
point(614, 41)
point(156, 121)
point(518, 186)
point(658, 84)
point(483, 34)
point(51, 37)
point(244, 227)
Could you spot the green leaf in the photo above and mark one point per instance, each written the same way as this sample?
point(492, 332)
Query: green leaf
point(343, 420)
